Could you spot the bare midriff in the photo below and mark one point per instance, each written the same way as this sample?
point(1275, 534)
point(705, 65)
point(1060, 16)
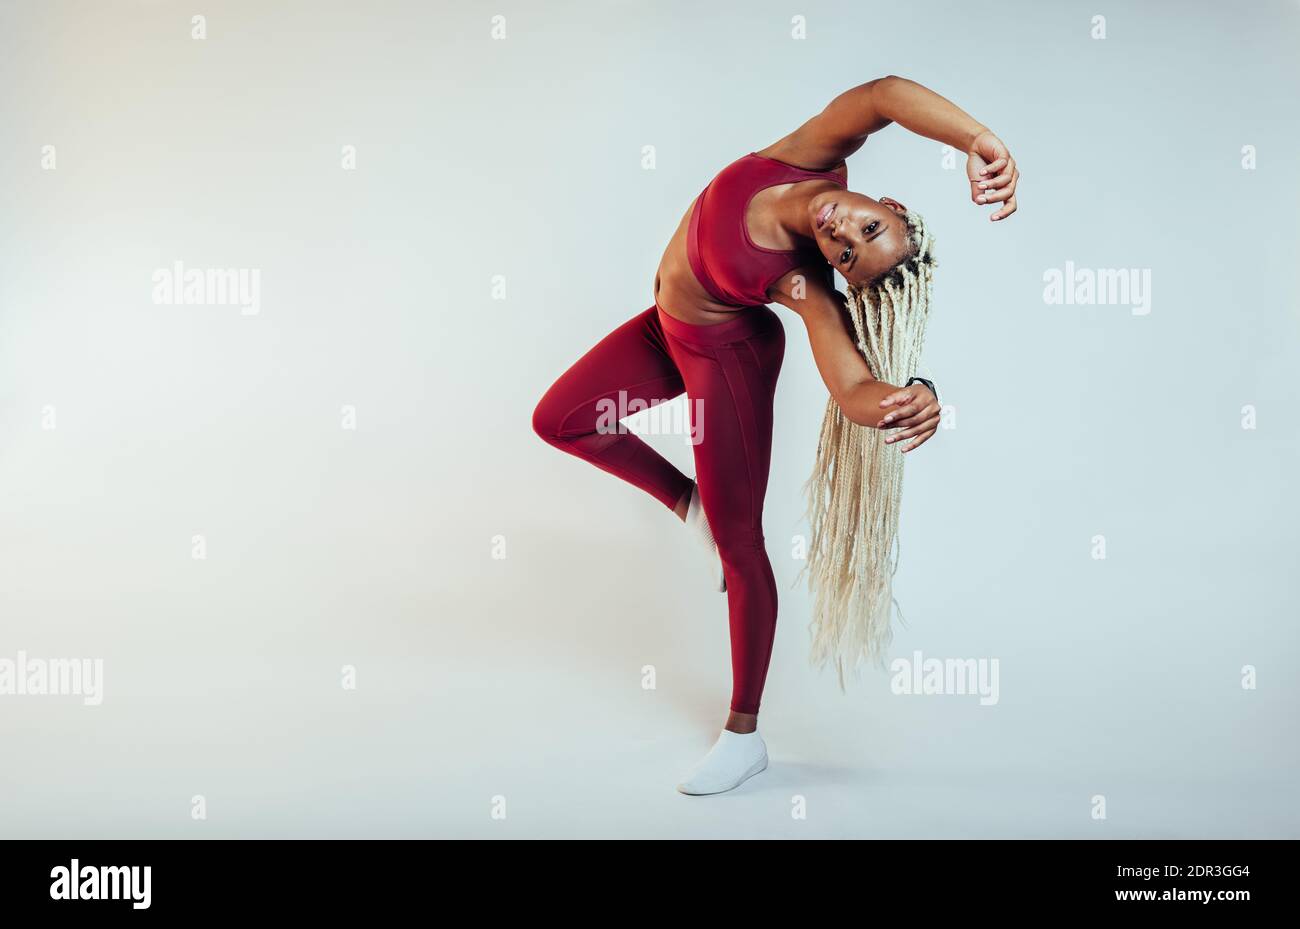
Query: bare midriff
point(677, 291)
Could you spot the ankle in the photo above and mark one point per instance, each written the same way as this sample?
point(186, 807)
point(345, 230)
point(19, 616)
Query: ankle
point(741, 723)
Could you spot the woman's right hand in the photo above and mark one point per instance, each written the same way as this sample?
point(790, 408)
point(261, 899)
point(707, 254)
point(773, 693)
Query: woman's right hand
point(993, 174)
point(917, 415)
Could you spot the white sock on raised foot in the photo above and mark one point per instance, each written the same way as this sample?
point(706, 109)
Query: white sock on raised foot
point(734, 759)
point(699, 526)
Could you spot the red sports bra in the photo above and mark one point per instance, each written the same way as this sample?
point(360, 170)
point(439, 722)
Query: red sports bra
point(723, 257)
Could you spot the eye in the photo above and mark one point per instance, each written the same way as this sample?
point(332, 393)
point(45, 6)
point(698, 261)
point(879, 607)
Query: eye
point(871, 227)
point(846, 255)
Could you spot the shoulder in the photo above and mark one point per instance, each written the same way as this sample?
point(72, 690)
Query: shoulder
point(789, 151)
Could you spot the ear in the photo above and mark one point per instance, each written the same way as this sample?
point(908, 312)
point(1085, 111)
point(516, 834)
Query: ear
point(894, 205)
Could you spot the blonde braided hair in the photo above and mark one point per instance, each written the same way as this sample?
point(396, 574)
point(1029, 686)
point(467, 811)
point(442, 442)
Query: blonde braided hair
point(855, 492)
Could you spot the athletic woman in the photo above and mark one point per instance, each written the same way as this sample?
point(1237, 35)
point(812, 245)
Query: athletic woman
point(770, 228)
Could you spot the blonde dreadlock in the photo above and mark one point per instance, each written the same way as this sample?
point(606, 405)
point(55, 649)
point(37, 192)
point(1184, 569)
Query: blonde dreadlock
point(855, 491)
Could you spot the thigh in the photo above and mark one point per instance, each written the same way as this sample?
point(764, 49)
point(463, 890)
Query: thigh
point(731, 388)
point(632, 363)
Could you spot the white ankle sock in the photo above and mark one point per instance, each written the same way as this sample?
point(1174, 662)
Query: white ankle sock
point(733, 759)
point(699, 526)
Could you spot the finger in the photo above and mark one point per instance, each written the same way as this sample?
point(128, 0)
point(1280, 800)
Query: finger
point(1002, 180)
point(1006, 181)
point(930, 411)
point(997, 196)
point(1007, 209)
point(924, 426)
point(917, 443)
point(898, 396)
point(993, 167)
point(903, 413)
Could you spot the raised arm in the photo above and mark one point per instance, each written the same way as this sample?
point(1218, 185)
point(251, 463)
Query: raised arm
point(841, 129)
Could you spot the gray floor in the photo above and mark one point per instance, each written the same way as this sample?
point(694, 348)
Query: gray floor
point(424, 749)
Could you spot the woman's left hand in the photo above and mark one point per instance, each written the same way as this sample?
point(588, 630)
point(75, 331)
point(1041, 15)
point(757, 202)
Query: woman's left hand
point(915, 415)
point(993, 174)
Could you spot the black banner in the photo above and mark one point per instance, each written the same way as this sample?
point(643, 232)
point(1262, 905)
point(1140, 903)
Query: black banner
point(232, 877)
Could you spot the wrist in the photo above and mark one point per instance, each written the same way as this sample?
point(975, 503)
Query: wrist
point(929, 385)
point(973, 133)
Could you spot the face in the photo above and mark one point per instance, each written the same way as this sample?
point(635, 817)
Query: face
point(862, 238)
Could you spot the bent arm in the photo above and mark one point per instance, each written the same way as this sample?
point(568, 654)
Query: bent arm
point(842, 367)
point(841, 129)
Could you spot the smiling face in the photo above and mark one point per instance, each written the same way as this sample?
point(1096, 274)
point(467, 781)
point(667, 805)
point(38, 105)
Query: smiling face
point(862, 238)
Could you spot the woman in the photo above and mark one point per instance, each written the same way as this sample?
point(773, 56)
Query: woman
point(769, 228)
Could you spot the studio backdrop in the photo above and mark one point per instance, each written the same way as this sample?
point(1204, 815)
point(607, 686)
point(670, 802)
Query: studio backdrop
point(280, 554)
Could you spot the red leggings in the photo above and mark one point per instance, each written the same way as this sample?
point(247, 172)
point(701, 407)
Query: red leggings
point(729, 372)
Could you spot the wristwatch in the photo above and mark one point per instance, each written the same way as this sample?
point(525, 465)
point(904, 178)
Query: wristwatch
point(927, 383)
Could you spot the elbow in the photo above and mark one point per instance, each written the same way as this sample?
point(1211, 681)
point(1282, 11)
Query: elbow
point(861, 415)
point(859, 418)
point(861, 404)
point(884, 94)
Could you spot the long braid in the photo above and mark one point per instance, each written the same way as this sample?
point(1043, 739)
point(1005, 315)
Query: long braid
point(855, 492)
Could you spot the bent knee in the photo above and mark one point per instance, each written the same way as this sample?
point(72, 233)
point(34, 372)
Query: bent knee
point(546, 422)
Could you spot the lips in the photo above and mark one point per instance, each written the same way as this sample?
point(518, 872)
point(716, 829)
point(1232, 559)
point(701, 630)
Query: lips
point(826, 213)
